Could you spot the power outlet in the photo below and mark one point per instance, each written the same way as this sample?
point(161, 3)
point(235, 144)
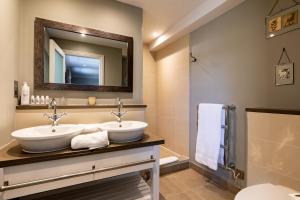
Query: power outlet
point(16, 89)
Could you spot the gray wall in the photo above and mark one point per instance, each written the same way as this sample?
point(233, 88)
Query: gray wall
point(236, 66)
point(112, 58)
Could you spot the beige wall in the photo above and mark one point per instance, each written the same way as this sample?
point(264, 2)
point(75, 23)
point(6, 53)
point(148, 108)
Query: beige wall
point(149, 90)
point(112, 58)
point(167, 89)
point(29, 118)
point(9, 46)
point(106, 15)
point(273, 149)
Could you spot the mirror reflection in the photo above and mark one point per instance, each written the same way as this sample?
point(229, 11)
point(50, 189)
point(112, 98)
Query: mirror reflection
point(73, 58)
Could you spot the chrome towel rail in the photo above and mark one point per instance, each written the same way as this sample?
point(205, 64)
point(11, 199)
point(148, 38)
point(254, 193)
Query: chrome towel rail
point(227, 130)
point(6, 185)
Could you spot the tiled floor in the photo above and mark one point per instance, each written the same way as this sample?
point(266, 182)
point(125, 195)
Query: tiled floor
point(190, 185)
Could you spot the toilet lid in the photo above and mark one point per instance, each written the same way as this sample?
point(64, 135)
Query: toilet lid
point(265, 192)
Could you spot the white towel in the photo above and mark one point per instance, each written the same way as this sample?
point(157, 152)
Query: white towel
point(209, 134)
point(90, 128)
point(167, 160)
point(91, 141)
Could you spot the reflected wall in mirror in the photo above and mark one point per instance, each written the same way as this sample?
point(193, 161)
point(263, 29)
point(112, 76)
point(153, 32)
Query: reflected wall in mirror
point(77, 58)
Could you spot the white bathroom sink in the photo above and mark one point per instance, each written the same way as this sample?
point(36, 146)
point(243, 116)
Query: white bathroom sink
point(42, 139)
point(129, 131)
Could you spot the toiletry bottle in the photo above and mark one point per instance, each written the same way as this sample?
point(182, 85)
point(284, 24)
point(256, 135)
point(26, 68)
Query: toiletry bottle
point(42, 100)
point(47, 100)
point(25, 94)
point(32, 100)
point(37, 99)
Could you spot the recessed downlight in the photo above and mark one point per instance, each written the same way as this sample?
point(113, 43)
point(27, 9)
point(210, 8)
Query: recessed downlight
point(155, 34)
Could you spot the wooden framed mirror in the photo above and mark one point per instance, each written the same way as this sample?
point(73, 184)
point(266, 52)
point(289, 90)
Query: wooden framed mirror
point(70, 57)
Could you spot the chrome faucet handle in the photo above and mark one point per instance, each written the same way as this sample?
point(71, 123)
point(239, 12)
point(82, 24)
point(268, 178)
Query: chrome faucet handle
point(55, 117)
point(61, 115)
point(115, 115)
point(119, 114)
point(123, 113)
point(52, 103)
point(119, 102)
point(48, 116)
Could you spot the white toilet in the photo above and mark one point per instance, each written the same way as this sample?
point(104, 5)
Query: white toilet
point(267, 191)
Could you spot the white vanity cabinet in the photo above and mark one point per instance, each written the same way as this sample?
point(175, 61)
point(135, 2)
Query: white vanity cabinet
point(25, 179)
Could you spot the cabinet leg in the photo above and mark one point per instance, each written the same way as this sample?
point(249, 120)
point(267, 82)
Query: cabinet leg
point(155, 175)
point(1, 182)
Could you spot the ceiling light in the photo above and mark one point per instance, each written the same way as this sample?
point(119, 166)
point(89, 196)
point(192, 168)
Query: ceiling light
point(155, 34)
point(272, 35)
point(82, 35)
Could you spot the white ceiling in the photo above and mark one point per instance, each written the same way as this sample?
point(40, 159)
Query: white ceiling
point(159, 15)
point(170, 19)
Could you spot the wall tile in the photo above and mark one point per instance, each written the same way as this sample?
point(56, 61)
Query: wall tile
point(26, 119)
point(273, 149)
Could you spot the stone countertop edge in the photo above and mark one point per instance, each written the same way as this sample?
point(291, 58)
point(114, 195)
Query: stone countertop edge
point(274, 111)
point(39, 107)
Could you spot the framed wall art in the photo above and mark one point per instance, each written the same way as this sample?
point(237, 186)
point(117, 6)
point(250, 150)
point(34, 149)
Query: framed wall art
point(284, 72)
point(284, 21)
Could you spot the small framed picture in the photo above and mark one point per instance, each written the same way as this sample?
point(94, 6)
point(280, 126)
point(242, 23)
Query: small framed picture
point(284, 74)
point(290, 19)
point(274, 25)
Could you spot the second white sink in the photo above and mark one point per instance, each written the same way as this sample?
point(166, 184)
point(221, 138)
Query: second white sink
point(129, 131)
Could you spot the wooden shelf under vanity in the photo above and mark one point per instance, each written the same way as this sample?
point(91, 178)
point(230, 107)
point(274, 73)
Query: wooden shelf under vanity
point(35, 107)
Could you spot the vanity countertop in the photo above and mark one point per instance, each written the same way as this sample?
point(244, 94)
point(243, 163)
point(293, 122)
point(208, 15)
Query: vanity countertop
point(12, 154)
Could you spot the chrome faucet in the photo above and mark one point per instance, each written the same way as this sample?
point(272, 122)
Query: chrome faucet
point(119, 114)
point(55, 117)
